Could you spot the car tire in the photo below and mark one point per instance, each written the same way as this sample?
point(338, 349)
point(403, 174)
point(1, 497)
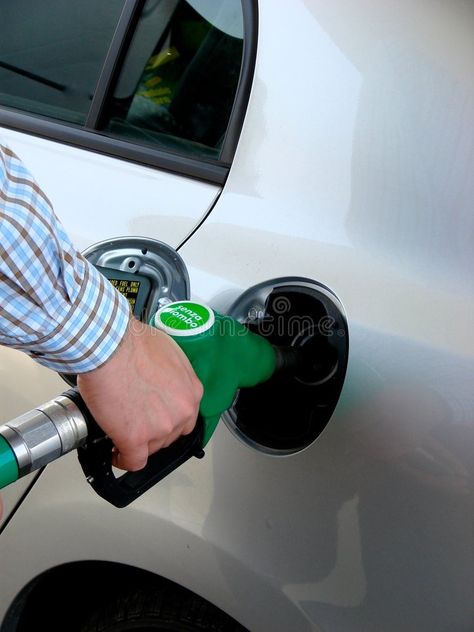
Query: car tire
point(169, 608)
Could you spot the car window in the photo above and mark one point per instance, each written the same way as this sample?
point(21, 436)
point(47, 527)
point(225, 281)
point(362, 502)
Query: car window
point(52, 52)
point(179, 78)
point(154, 81)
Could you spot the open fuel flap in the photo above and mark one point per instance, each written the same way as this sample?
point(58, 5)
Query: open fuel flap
point(288, 412)
point(148, 272)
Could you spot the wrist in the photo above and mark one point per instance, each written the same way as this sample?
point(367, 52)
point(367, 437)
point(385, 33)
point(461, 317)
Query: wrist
point(121, 355)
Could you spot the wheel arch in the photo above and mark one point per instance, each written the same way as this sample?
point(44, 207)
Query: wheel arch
point(72, 591)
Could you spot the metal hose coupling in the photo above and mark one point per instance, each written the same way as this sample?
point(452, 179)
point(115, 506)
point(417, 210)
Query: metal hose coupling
point(40, 436)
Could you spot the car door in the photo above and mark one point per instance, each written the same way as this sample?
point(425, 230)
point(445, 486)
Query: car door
point(113, 109)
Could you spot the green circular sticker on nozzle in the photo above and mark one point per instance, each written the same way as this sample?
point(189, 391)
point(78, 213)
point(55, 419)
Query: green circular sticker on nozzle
point(184, 318)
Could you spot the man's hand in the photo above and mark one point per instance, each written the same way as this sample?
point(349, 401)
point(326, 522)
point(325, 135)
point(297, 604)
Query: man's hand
point(144, 397)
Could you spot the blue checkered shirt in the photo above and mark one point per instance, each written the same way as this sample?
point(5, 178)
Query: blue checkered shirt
point(54, 305)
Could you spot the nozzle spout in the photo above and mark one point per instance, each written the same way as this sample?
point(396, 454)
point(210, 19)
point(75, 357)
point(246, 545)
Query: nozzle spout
point(288, 359)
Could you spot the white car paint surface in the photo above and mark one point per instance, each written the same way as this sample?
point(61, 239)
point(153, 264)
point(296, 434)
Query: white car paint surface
point(354, 168)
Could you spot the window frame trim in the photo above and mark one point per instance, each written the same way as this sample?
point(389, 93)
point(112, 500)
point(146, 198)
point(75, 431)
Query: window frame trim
point(113, 60)
point(92, 139)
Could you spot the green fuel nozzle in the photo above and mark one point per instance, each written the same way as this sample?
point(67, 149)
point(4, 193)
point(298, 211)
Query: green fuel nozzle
point(226, 357)
point(224, 354)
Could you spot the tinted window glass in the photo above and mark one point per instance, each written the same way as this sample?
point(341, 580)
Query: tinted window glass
point(180, 76)
point(51, 54)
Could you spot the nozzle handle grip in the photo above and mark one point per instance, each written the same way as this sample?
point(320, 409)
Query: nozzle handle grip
point(95, 457)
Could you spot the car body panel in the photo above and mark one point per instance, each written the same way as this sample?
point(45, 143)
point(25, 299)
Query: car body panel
point(375, 202)
point(354, 168)
point(106, 197)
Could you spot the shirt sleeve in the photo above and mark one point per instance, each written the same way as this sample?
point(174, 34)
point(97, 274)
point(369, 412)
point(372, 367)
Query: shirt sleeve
point(54, 305)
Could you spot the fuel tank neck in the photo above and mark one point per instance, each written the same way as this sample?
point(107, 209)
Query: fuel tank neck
point(305, 323)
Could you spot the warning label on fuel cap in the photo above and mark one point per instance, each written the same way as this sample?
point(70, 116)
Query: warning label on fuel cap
point(129, 289)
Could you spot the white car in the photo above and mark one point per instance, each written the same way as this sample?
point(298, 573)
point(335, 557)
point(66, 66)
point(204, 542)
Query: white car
point(305, 159)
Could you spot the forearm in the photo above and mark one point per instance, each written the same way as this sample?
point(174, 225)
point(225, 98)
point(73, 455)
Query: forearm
point(54, 305)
